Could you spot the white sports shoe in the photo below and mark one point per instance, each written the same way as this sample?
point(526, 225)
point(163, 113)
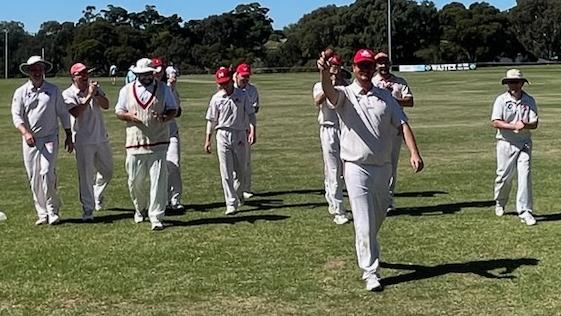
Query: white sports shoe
point(54, 219)
point(340, 219)
point(230, 210)
point(247, 195)
point(138, 217)
point(41, 221)
point(157, 225)
point(499, 210)
point(98, 205)
point(373, 284)
point(528, 218)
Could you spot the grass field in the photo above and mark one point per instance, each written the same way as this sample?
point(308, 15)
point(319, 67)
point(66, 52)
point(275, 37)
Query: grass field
point(444, 251)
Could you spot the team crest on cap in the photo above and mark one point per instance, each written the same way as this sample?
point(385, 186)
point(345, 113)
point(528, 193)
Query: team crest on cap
point(365, 53)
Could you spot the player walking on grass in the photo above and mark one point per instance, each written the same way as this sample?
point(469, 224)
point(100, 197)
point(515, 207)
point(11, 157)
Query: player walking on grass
point(229, 113)
point(241, 81)
point(515, 113)
point(173, 156)
point(36, 105)
point(147, 106)
point(94, 159)
point(329, 134)
point(369, 118)
point(400, 90)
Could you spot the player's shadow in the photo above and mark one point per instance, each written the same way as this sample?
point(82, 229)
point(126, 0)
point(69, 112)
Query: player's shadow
point(492, 269)
point(105, 219)
point(226, 220)
point(301, 191)
point(254, 204)
point(420, 194)
point(548, 217)
point(448, 208)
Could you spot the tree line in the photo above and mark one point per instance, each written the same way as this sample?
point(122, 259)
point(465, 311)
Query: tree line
point(420, 34)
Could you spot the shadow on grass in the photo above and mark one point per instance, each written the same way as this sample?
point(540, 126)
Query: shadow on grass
point(302, 191)
point(449, 208)
point(105, 219)
point(548, 217)
point(234, 219)
point(483, 268)
point(419, 194)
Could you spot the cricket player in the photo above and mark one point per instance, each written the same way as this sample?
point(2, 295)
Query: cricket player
point(173, 156)
point(85, 101)
point(113, 74)
point(36, 105)
point(400, 90)
point(515, 113)
point(229, 113)
point(241, 81)
point(147, 106)
point(369, 118)
point(329, 134)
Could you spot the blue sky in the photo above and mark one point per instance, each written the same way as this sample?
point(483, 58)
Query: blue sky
point(33, 12)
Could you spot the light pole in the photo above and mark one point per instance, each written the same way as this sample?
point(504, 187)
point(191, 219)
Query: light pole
point(389, 30)
point(6, 53)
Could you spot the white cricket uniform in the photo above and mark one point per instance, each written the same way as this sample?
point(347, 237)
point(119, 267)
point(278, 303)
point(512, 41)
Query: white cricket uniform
point(231, 114)
point(253, 96)
point(94, 157)
point(38, 109)
point(113, 71)
point(329, 135)
point(514, 150)
point(145, 162)
point(368, 121)
point(399, 89)
point(173, 158)
point(171, 71)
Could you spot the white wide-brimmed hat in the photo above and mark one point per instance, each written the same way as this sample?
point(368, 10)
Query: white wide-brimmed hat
point(513, 74)
point(24, 68)
point(143, 65)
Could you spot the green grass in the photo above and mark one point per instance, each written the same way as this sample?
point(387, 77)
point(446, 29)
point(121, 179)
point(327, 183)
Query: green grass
point(444, 250)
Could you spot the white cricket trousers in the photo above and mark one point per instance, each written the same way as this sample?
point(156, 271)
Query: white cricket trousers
point(512, 159)
point(40, 164)
point(367, 186)
point(247, 186)
point(333, 168)
point(148, 182)
point(95, 170)
point(396, 149)
point(173, 162)
point(231, 146)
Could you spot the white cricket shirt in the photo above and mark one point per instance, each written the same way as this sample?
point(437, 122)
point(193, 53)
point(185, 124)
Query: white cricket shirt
point(88, 127)
point(326, 116)
point(507, 109)
point(233, 112)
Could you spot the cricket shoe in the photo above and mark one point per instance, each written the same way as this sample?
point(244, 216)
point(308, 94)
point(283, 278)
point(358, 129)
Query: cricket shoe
point(139, 217)
point(54, 219)
point(499, 210)
point(340, 219)
point(157, 225)
point(373, 284)
point(527, 218)
point(230, 210)
point(41, 221)
point(247, 195)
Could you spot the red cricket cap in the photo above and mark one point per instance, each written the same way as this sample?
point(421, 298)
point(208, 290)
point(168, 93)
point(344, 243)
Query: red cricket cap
point(336, 60)
point(223, 75)
point(157, 63)
point(244, 70)
point(364, 55)
point(77, 68)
